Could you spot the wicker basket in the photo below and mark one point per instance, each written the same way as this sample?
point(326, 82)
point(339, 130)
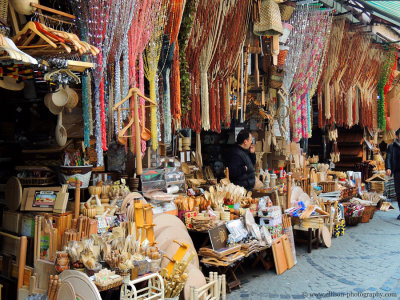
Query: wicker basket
point(352, 221)
point(286, 11)
point(270, 19)
point(276, 77)
point(102, 288)
point(368, 212)
point(38, 181)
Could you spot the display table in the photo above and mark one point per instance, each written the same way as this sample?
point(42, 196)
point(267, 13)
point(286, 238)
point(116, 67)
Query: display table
point(228, 269)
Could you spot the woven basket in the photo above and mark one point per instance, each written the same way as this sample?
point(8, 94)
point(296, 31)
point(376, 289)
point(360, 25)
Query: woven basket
point(368, 212)
point(270, 19)
point(352, 221)
point(276, 77)
point(286, 11)
point(102, 288)
point(282, 57)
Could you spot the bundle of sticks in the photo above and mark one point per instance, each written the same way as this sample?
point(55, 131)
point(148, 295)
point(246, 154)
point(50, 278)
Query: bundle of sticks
point(286, 221)
point(83, 227)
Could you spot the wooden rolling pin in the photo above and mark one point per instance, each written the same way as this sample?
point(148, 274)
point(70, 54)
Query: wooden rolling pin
point(77, 198)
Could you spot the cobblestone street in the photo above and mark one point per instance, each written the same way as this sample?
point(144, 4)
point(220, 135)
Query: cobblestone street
point(362, 264)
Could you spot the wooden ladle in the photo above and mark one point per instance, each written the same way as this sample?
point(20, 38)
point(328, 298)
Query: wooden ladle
point(61, 132)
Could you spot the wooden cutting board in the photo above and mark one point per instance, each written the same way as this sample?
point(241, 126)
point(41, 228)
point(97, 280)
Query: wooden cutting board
point(61, 201)
point(326, 236)
point(288, 251)
point(13, 193)
point(279, 256)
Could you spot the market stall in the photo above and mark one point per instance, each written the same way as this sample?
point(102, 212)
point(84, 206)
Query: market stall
point(119, 118)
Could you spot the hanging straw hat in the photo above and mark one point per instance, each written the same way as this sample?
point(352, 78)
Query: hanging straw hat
point(73, 98)
point(59, 98)
point(270, 19)
point(11, 84)
point(24, 7)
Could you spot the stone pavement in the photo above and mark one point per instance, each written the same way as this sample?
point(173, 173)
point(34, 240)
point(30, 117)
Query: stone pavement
point(362, 264)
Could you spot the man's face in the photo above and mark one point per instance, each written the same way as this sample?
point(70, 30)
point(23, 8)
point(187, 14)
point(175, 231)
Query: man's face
point(247, 143)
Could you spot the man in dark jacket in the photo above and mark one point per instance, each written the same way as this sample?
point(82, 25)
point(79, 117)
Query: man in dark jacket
point(241, 160)
point(393, 165)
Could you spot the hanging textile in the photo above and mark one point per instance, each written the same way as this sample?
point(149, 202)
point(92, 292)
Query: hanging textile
point(185, 32)
point(202, 26)
point(138, 37)
point(120, 42)
point(226, 58)
point(80, 9)
point(308, 71)
point(103, 17)
point(384, 83)
point(150, 59)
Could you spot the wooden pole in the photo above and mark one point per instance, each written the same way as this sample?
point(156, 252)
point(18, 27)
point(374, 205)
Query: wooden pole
point(77, 198)
point(257, 71)
point(22, 260)
point(238, 91)
point(139, 169)
point(289, 192)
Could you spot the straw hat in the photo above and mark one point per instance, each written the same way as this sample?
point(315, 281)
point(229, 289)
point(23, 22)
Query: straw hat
point(11, 84)
point(24, 6)
point(270, 19)
point(60, 98)
point(72, 98)
point(48, 101)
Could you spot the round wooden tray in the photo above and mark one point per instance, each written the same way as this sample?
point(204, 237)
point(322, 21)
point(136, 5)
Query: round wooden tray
point(83, 286)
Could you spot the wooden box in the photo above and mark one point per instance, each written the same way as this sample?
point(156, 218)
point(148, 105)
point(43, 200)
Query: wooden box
point(12, 221)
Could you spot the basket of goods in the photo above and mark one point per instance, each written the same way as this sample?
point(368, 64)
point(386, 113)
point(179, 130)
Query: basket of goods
point(106, 280)
point(353, 214)
point(368, 213)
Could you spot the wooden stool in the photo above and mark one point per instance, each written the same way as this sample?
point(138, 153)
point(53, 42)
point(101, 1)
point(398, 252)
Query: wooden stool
point(312, 237)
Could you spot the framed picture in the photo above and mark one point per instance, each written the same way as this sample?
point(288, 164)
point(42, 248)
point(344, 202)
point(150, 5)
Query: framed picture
point(218, 237)
point(39, 198)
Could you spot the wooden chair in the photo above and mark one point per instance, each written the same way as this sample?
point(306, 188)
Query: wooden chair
point(215, 289)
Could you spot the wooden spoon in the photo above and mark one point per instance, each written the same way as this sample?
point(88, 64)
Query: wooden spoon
point(61, 132)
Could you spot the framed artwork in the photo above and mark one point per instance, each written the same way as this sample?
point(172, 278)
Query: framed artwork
point(218, 237)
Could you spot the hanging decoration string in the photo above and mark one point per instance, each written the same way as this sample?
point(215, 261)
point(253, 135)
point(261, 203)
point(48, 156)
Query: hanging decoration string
point(150, 59)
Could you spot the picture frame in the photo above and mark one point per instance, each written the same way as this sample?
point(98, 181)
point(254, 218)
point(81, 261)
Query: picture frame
point(39, 198)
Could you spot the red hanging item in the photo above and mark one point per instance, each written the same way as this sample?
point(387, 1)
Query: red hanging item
point(176, 86)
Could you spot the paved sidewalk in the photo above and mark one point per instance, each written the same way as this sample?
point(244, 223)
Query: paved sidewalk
point(362, 264)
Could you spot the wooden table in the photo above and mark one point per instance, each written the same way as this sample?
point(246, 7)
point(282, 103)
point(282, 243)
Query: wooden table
point(261, 257)
point(230, 272)
point(312, 238)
